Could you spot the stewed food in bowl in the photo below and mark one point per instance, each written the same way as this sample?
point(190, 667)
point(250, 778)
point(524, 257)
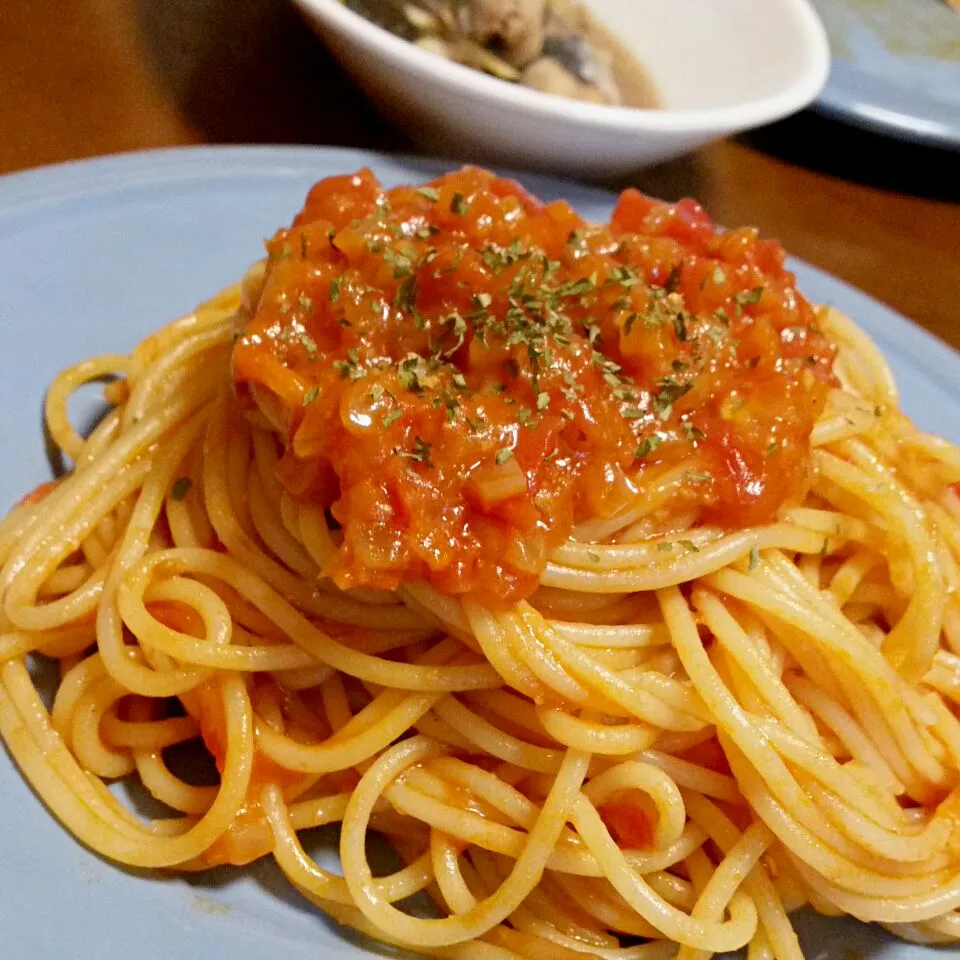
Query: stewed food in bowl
point(554, 46)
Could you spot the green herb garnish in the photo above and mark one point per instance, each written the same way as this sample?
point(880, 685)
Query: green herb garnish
point(747, 297)
point(648, 446)
point(680, 326)
point(420, 452)
point(406, 295)
point(308, 344)
point(349, 369)
point(670, 391)
point(402, 263)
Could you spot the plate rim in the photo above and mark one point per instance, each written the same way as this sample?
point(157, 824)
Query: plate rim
point(874, 103)
point(926, 128)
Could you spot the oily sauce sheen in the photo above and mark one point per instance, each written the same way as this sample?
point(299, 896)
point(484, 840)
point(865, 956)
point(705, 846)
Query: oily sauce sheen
point(463, 374)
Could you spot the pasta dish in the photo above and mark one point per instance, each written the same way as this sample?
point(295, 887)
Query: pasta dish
point(588, 565)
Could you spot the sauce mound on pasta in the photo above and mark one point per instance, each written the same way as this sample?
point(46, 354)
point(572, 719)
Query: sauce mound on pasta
point(462, 374)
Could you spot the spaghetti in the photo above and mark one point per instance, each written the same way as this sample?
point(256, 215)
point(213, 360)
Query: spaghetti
point(590, 566)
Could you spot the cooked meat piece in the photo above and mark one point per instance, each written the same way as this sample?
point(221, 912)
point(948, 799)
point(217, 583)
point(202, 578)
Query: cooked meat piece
point(434, 44)
point(511, 28)
point(549, 76)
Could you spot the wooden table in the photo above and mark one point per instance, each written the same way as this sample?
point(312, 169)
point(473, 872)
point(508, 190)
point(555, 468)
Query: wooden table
point(86, 77)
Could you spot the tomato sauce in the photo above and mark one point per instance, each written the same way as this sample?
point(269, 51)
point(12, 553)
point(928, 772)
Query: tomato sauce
point(631, 822)
point(462, 373)
point(39, 493)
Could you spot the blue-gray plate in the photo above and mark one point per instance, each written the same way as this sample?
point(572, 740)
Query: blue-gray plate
point(896, 67)
point(93, 256)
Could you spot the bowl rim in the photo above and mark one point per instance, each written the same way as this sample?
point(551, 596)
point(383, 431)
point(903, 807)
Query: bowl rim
point(804, 89)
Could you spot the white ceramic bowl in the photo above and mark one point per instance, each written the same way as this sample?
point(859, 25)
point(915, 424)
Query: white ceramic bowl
point(720, 66)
